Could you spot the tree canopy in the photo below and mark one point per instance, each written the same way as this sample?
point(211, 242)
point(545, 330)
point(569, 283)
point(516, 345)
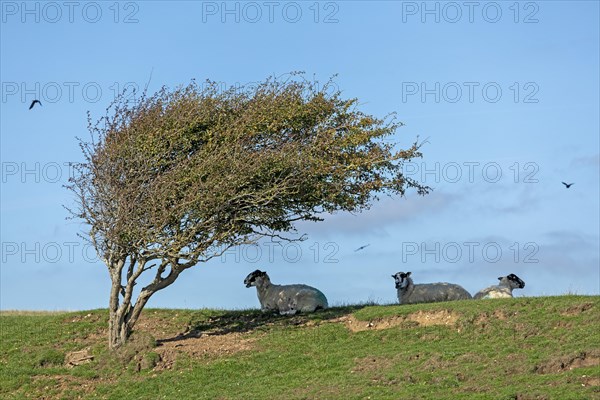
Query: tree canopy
point(176, 178)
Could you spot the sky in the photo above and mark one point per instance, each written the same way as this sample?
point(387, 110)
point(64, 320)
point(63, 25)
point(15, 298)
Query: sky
point(506, 95)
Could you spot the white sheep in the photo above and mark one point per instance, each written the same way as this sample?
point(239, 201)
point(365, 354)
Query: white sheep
point(409, 293)
point(287, 299)
point(503, 289)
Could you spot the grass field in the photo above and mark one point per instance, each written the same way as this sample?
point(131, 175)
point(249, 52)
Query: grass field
point(525, 348)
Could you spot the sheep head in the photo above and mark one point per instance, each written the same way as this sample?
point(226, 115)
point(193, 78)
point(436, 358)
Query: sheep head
point(514, 281)
point(253, 278)
point(401, 279)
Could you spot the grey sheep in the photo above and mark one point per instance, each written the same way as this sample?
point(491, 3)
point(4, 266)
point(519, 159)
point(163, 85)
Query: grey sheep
point(503, 289)
point(409, 293)
point(287, 299)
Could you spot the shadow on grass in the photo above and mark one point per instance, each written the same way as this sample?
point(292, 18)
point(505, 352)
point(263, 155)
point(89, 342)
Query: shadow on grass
point(214, 322)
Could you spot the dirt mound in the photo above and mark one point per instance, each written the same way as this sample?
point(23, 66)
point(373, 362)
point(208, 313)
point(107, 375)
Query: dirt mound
point(590, 381)
point(216, 338)
point(59, 386)
point(442, 317)
point(567, 363)
point(577, 309)
point(199, 345)
point(421, 318)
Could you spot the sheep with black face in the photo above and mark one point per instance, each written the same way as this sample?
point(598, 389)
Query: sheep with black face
point(409, 293)
point(286, 299)
point(502, 290)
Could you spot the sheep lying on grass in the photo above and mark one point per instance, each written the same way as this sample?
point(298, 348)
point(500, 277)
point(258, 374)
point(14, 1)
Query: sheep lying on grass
point(409, 293)
point(503, 289)
point(287, 299)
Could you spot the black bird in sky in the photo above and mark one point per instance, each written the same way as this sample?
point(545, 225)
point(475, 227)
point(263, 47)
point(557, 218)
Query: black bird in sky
point(33, 103)
point(568, 185)
point(362, 247)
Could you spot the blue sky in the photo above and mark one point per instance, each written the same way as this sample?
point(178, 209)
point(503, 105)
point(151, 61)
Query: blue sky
point(506, 93)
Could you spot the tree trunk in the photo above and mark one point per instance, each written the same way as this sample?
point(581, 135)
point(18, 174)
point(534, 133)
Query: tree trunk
point(122, 315)
point(118, 331)
point(118, 326)
point(122, 320)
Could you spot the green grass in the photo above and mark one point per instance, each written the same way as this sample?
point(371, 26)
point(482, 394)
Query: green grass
point(525, 348)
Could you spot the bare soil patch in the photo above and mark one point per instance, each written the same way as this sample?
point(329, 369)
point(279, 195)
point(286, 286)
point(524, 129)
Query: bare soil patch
point(312, 392)
point(166, 336)
point(355, 325)
point(567, 363)
point(75, 358)
point(577, 309)
point(374, 368)
point(174, 340)
point(201, 345)
point(484, 318)
point(500, 314)
point(159, 326)
point(590, 381)
point(421, 318)
point(372, 364)
point(61, 384)
point(442, 317)
point(529, 397)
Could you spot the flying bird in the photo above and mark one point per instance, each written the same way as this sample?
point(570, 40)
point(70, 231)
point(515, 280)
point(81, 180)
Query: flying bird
point(568, 185)
point(362, 247)
point(33, 103)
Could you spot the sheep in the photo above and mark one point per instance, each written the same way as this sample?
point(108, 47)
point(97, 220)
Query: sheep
point(409, 293)
point(503, 289)
point(287, 299)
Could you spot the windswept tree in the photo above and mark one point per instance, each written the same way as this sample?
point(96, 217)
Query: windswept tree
point(174, 179)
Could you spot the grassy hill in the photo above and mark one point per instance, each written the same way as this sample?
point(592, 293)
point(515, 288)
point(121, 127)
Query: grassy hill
point(525, 348)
